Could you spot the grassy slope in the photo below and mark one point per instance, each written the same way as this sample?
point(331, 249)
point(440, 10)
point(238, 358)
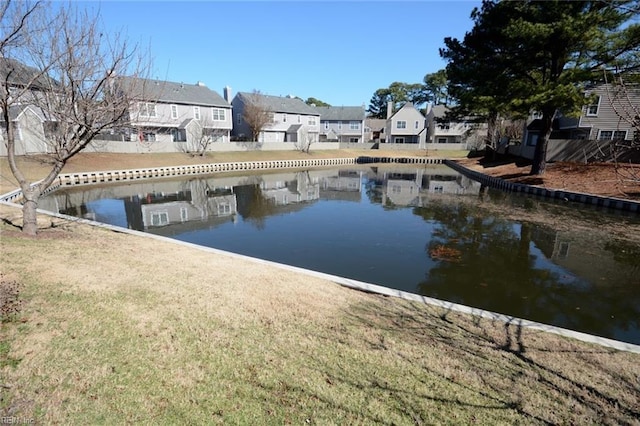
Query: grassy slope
point(136, 330)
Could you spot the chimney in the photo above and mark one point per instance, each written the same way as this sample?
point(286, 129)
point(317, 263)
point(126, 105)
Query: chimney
point(227, 93)
point(389, 109)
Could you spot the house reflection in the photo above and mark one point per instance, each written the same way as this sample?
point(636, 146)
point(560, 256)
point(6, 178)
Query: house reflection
point(415, 187)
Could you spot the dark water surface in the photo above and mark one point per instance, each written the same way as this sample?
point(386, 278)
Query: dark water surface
point(425, 230)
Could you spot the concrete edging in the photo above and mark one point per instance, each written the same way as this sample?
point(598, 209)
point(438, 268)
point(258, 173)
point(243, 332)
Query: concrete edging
point(557, 194)
point(370, 288)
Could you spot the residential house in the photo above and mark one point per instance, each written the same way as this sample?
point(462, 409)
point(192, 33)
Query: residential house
point(405, 126)
point(453, 134)
point(24, 85)
point(290, 119)
point(374, 130)
point(342, 124)
point(587, 137)
point(187, 115)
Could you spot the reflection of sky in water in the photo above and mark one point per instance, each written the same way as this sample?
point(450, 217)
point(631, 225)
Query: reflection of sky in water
point(108, 211)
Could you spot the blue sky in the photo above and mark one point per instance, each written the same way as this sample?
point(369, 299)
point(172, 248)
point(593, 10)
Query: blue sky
point(338, 51)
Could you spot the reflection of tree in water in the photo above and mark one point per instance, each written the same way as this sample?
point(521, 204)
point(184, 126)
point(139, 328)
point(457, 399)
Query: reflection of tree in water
point(253, 206)
point(496, 271)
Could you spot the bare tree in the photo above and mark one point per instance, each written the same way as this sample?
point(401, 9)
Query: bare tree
point(256, 115)
point(58, 62)
point(201, 136)
point(305, 139)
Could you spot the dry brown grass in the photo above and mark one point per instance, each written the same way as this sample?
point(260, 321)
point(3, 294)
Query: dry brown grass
point(125, 329)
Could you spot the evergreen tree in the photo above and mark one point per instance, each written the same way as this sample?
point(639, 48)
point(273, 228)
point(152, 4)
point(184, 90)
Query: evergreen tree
point(539, 56)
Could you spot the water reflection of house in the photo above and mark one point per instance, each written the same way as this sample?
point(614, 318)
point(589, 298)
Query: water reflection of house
point(412, 188)
point(346, 186)
point(166, 211)
point(301, 189)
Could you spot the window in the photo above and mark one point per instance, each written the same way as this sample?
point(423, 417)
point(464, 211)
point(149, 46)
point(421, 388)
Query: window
point(272, 117)
point(224, 208)
point(354, 140)
point(147, 110)
point(417, 124)
point(298, 118)
point(401, 125)
point(326, 125)
point(442, 140)
point(174, 111)
point(284, 118)
point(398, 140)
point(218, 114)
point(592, 110)
point(532, 140)
point(339, 125)
point(312, 121)
point(606, 135)
point(196, 113)
point(444, 126)
point(239, 119)
point(184, 216)
point(620, 135)
point(159, 218)
point(354, 125)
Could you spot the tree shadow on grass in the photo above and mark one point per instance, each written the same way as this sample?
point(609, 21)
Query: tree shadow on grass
point(536, 376)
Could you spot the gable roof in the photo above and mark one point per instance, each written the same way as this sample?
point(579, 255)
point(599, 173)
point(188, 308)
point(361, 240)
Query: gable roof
point(407, 106)
point(171, 92)
point(350, 113)
point(22, 75)
point(280, 104)
point(376, 124)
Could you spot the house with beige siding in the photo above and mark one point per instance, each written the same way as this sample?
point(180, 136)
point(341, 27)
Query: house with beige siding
point(185, 115)
point(290, 119)
point(342, 124)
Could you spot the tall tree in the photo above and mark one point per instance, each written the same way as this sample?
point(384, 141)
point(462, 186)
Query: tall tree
point(378, 103)
point(538, 56)
point(59, 62)
point(435, 87)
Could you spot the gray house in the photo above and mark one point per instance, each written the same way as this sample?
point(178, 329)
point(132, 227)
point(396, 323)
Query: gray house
point(342, 124)
point(608, 119)
point(290, 119)
point(448, 134)
point(407, 125)
point(24, 85)
point(187, 115)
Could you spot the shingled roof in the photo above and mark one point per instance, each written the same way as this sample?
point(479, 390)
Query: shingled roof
point(22, 75)
point(341, 113)
point(280, 104)
point(172, 92)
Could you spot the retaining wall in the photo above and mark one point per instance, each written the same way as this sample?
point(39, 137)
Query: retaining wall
point(595, 200)
point(88, 178)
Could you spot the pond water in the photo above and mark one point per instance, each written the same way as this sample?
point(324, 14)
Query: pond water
point(422, 229)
